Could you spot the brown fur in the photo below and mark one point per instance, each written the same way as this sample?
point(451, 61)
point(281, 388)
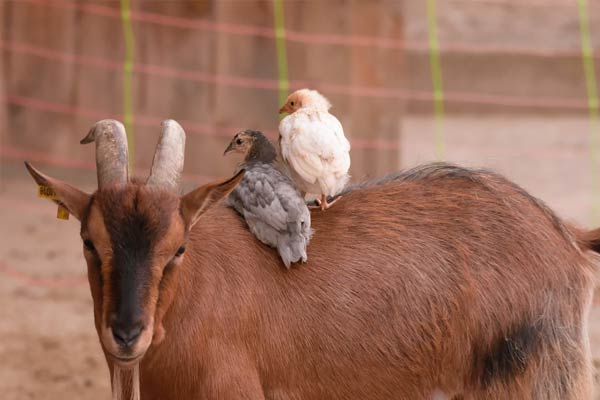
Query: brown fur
point(591, 240)
point(439, 280)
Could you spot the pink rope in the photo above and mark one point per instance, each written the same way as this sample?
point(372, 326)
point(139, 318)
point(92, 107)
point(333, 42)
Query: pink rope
point(522, 4)
point(227, 132)
point(44, 158)
point(19, 154)
point(190, 127)
point(302, 37)
point(272, 84)
point(47, 282)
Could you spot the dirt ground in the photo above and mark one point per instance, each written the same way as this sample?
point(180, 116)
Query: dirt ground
point(48, 345)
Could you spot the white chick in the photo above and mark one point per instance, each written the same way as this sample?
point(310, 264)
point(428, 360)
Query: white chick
point(313, 144)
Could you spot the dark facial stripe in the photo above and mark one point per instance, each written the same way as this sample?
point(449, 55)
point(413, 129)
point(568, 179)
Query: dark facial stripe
point(134, 227)
point(131, 265)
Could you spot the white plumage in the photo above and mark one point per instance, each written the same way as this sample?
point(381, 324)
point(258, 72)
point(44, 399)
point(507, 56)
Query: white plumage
point(313, 144)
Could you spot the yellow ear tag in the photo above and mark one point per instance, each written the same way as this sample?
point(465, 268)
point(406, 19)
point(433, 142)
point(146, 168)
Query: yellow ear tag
point(62, 213)
point(46, 192)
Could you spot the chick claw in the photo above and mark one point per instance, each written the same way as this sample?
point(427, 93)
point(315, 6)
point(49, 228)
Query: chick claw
point(323, 204)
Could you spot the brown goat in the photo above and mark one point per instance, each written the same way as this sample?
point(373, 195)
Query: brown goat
point(436, 283)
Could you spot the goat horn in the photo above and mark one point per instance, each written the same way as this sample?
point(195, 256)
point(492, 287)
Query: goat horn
point(168, 158)
point(112, 156)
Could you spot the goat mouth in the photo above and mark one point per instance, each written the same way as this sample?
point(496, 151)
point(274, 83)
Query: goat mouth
point(125, 362)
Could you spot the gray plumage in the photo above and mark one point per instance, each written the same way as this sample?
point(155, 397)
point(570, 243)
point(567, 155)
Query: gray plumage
point(270, 203)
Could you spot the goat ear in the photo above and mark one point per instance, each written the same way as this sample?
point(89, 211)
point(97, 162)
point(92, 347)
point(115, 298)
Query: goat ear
point(199, 200)
point(65, 195)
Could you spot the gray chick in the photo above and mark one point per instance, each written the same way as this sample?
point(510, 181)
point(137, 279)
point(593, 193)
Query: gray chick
point(268, 200)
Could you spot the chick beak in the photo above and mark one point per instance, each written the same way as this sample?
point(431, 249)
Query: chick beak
point(229, 149)
point(284, 109)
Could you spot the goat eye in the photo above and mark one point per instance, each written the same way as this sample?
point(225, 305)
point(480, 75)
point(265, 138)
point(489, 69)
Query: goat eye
point(239, 141)
point(180, 251)
point(89, 245)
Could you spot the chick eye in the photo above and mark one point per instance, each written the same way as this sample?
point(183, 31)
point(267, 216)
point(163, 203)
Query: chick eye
point(239, 141)
point(89, 245)
point(180, 251)
point(291, 103)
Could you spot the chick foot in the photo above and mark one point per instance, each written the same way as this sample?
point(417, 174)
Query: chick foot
point(323, 204)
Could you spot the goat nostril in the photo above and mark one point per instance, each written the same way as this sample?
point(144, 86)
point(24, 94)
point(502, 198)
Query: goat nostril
point(126, 336)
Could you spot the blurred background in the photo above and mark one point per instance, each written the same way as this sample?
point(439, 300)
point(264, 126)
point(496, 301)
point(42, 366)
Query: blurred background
point(504, 84)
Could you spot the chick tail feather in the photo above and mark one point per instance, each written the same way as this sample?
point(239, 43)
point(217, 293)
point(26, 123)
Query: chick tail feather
point(332, 184)
point(292, 248)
